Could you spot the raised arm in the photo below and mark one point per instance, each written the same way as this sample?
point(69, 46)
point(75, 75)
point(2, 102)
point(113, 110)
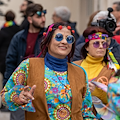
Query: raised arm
point(16, 85)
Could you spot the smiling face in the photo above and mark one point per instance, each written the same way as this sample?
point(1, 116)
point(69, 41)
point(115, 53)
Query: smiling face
point(96, 52)
point(60, 49)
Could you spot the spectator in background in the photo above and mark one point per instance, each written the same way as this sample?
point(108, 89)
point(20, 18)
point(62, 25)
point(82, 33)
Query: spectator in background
point(62, 14)
point(25, 44)
point(81, 39)
point(6, 33)
point(116, 13)
point(23, 8)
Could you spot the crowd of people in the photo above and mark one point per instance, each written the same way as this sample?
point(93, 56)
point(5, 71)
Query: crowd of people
point(53, 73)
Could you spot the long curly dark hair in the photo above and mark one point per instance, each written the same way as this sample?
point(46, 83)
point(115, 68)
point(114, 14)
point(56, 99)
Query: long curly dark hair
point(47, 38)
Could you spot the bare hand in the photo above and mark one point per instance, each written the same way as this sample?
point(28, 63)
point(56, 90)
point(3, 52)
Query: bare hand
point(117, 28)
point(26, 95)
point(91, 86)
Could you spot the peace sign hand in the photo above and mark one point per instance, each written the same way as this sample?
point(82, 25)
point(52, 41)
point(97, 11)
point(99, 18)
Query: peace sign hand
point(26, 95)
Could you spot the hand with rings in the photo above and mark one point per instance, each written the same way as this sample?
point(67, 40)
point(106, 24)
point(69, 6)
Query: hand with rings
point(26, 95)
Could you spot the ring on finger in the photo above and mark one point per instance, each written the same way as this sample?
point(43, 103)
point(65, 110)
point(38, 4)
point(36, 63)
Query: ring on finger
point(23, 97)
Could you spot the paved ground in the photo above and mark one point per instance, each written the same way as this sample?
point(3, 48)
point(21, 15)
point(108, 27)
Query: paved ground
point(4, 115)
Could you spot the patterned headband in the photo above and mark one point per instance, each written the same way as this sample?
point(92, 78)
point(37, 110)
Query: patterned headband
point(59, 27)
point(97, 35)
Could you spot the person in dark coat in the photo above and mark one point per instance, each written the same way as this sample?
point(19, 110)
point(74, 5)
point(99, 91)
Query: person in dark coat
point(6, 33)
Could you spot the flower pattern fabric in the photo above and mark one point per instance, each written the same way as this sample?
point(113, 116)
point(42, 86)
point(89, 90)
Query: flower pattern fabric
point(114, 94)
point(58, 94)
point(59, 100)
point(14, 86)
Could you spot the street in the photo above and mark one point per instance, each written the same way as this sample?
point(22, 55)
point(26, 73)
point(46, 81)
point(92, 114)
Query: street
point(4, 115)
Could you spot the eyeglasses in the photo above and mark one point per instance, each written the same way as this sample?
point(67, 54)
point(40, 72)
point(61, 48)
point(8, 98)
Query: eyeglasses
point(96, 44)
point(39, 13)
point(70, 38)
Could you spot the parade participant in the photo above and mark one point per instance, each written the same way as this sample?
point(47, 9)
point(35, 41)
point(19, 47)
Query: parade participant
point(51, 87)
point(95, 60)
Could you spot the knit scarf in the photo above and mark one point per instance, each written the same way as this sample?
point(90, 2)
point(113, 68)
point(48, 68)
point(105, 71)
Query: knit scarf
point(8, 24)
point(55, 63)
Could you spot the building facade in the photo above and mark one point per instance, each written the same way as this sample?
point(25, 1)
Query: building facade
point(80, 9)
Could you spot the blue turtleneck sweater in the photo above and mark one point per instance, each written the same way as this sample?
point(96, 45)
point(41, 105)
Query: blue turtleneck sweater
point(55, 63)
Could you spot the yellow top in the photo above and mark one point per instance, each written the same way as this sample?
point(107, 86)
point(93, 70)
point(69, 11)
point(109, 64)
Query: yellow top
point(93, 67)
